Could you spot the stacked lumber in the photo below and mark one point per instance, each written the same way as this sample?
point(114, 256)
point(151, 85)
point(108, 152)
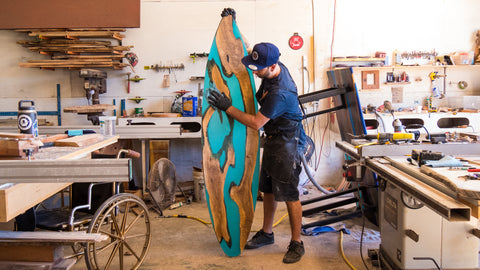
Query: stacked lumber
point(76, 48)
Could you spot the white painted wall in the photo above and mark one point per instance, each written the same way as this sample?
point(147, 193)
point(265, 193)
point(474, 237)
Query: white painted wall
point(172, 29)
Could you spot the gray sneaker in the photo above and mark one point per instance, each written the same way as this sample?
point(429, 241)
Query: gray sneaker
point(294, 253)
point(260, 239)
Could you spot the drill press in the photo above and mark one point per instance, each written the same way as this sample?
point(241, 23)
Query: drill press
point(94, 85)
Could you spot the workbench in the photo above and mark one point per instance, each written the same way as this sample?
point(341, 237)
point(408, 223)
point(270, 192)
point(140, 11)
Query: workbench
point(16, 198)
point(427, 216)
point(27, 182)
point(141, 130)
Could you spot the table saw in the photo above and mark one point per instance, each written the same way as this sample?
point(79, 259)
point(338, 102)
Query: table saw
point(428, 217)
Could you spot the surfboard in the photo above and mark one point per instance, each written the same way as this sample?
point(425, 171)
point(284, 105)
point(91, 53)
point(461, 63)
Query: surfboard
point(230, 149)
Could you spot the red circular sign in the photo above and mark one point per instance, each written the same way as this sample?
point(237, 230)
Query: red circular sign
point(295, 41)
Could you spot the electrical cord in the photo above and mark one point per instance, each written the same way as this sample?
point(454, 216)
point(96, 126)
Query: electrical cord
point(363, 226)
point(417, 126)
point(208, 223)
point(185, 216)
point(276, 223)
point(343, 253)
point(333, 31)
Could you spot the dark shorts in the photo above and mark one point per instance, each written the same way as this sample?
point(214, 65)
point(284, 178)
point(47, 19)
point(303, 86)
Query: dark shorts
point(283, 191)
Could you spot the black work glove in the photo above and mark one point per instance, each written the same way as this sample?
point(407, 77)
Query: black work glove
point(229, 11)
point(220, 101)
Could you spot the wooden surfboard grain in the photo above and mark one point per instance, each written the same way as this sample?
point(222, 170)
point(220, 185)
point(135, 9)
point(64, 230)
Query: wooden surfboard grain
point(230, 149)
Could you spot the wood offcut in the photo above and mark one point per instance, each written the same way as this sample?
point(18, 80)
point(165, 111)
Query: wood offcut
point(82, 109)
point(79, 141)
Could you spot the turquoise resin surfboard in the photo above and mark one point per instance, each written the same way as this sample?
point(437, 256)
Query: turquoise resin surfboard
point(230, 149)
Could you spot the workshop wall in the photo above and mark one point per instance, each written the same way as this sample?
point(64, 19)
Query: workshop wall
point(173, 29)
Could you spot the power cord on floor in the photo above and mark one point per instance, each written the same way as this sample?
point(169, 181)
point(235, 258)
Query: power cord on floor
point(276, 223)
point(185, 216)
point(363, 226)
point(343, 253)
point(208, 223)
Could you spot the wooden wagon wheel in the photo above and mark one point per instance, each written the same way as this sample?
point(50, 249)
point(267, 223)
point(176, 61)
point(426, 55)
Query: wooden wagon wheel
point(124, 218)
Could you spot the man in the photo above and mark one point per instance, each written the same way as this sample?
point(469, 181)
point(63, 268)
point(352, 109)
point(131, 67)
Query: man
point(280, 116)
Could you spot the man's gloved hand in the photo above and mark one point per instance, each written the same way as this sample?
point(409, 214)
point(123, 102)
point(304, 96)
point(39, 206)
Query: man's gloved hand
point(221, 101)
point(229, 11)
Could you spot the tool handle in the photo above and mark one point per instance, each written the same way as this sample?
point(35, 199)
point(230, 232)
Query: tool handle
point(473, 170)
point(132, 153)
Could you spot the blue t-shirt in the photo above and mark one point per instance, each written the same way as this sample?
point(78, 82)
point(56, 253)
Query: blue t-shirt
point(278, 97)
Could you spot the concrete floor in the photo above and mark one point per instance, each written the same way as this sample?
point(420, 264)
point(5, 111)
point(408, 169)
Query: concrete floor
point(179, 243)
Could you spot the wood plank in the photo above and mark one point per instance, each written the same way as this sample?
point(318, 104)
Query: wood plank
point(28, 253)
point(41, 246)
point(79, 141)
point(78, 34)
point(14, 147)
point(43, 237)
point(63, 42)
point(53, 138)
point(90, 108)
point(17, 198)
point(474, 135)
point(15, 135)
point(106, 56)
point(79, 48)
point(75, 66)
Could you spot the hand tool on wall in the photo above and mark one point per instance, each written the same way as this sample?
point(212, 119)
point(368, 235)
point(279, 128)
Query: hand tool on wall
point(128, 83)
point(123, 111)
point(135, 78)
point(195, 55)
point(137, 99)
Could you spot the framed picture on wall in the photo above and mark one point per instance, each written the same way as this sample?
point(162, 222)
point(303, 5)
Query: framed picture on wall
point(370, 79)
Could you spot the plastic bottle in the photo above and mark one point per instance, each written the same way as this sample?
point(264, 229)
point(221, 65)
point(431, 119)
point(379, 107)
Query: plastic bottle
point(27, 118)
point(394, 58)
point(436, 89)
point(429, 103)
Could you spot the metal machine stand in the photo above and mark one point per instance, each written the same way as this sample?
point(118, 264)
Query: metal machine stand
point(350, 121)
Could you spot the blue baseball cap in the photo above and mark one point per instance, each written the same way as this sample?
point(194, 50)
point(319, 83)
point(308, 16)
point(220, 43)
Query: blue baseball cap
point(263, 55)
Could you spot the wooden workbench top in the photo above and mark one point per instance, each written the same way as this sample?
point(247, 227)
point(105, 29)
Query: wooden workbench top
point(17, 198)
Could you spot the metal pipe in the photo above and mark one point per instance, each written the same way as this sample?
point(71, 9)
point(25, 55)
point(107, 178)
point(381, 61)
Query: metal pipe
point(58, 112)
point(310, 177)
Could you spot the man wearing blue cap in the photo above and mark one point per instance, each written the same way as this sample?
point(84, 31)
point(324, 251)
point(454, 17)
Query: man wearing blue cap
point(280, 116)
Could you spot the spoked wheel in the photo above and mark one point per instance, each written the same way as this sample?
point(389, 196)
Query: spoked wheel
point(124, 218)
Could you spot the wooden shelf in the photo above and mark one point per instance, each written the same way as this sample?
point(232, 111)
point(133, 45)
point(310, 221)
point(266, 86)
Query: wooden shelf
point(358, 59)
point(396, 83)
point(419, 67)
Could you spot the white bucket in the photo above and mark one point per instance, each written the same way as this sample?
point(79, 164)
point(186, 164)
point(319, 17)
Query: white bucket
point(107, 125)
point(199, 185)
